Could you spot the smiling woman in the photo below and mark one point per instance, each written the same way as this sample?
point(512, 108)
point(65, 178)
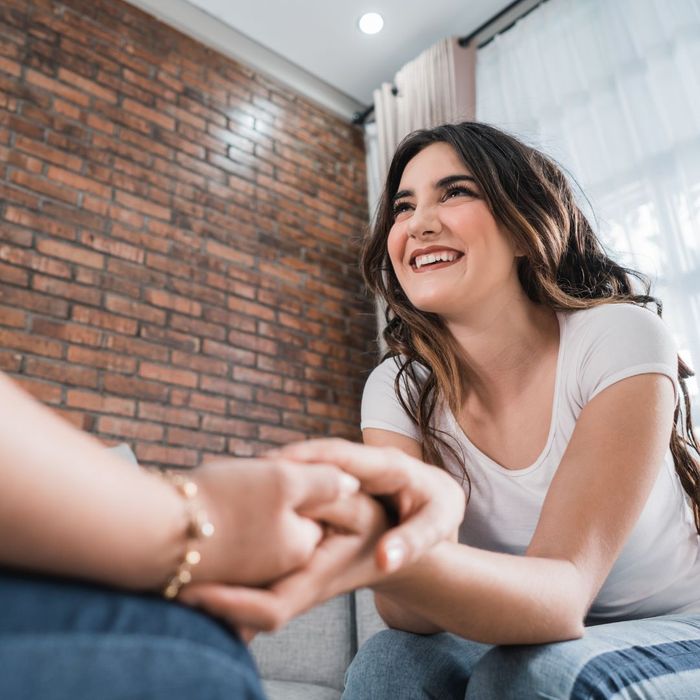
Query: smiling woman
point(524, 361)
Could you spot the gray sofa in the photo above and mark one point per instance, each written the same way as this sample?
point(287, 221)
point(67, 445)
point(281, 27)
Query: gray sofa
point(307, 659)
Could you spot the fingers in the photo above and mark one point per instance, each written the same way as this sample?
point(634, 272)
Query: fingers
point(435, 520)
point(356, 514)
point(308, 487)
point(380, 469)
point(431, 503)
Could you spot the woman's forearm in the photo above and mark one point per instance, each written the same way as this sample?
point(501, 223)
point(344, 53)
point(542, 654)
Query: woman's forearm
point(491, 597)
point(68, 506)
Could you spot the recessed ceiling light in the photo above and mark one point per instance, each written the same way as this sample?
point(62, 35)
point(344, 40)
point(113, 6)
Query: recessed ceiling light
point(371, 23)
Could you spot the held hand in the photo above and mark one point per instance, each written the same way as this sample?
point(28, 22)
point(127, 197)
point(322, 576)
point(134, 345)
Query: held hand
point(343, 561)
point(256, 505)
point(429, 502)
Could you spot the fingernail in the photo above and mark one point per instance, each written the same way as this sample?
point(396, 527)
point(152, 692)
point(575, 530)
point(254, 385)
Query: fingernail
point(395, 551)
point(348, 485)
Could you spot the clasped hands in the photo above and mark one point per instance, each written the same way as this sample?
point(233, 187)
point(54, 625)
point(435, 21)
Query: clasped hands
point(300, 526)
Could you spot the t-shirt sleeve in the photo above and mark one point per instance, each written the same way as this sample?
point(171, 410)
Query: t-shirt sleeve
point(621, 341)
point(381, 407)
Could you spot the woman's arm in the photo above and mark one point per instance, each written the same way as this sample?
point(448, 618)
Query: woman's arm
point(593, 503)
point(396, 614)
point(68, 506)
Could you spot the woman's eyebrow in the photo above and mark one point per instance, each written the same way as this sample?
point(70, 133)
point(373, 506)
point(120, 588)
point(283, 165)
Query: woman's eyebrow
point(440, 185)
point(450, 179)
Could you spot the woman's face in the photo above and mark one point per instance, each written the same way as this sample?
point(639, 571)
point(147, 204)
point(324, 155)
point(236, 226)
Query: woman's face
point(447, 250)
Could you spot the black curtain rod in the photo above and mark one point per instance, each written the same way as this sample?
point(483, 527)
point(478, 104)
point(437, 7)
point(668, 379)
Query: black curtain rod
point(466, 40)
point(359, 118)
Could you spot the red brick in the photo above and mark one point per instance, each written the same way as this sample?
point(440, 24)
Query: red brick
point(158, 297)
point(85, 85)
point(207, 402)
point(66, 331)
point(280, 436)
point(67, 290)
point(220, 251)
point(78, 398)
point(196, 439)
point(102, 359)
point(253, 411)
point(55, 87)
point(134, 309)
point(43, 186)
point(167, 414)
point(135, 388)
point(61, 372)
point(199, 363)
point(137, 348)
point(10, 361)
point(93, 317)
point(196, 326)
point(312, 425)
point(220, 386)
point(70, 179)
point(229, 426)
point(166, 456)
point(164, 336)
point(229, 353)
point(251, 308)
point(151, 115)
point(13, 275)
point(27, 258)
point(279, 399)
point(12, 317)
point(43, 391)
point(127, 428)
point(253, 376)
point(69, 252)
point(25, 299)
point(169, 375)
point(142, 205)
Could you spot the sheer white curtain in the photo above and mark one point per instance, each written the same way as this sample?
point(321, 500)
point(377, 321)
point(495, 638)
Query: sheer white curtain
point(611, 88)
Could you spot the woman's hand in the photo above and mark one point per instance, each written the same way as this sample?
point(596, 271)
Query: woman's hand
point(262, 511)
point(343, 561)
point(428, 501)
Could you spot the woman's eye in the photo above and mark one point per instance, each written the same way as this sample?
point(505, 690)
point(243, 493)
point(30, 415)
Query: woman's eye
point(400, 208)
point(459, 192)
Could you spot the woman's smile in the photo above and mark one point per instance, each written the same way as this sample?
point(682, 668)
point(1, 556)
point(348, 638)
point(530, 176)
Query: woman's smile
point(434, 258)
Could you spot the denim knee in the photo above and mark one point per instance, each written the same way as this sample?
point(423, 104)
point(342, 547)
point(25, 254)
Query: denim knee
point(540, 671)
point(396, 664)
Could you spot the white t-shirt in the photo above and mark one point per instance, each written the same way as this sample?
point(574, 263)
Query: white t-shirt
point(658, 570)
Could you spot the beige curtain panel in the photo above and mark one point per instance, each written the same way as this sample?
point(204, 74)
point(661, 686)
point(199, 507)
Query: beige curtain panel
point(434, 88)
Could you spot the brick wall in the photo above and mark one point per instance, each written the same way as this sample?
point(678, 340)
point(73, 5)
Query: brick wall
point(178, 238)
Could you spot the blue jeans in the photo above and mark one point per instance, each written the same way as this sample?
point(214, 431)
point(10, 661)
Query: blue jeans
point(653, 659)
point(67, 640)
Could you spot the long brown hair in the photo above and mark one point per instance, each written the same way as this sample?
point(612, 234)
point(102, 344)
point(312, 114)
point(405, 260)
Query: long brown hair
point(563, 267)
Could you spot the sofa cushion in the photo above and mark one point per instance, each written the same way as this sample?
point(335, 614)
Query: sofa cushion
point(288, 690)
point(314, 648)
point(367, 619)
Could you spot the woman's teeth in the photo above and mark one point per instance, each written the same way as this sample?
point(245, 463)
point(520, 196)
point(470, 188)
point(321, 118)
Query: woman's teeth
point(430, 258)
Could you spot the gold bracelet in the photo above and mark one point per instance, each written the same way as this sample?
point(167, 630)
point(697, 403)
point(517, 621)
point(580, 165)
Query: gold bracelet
point(199, 527)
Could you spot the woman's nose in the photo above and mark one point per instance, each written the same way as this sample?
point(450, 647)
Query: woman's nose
point(424, 222)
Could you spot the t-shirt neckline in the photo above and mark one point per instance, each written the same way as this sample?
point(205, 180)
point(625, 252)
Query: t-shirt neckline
point(462, 436)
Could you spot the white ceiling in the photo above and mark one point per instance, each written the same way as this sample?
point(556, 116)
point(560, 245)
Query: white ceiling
point(315, 45)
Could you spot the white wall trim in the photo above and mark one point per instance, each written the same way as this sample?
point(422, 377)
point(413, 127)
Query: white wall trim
point(214, 33)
